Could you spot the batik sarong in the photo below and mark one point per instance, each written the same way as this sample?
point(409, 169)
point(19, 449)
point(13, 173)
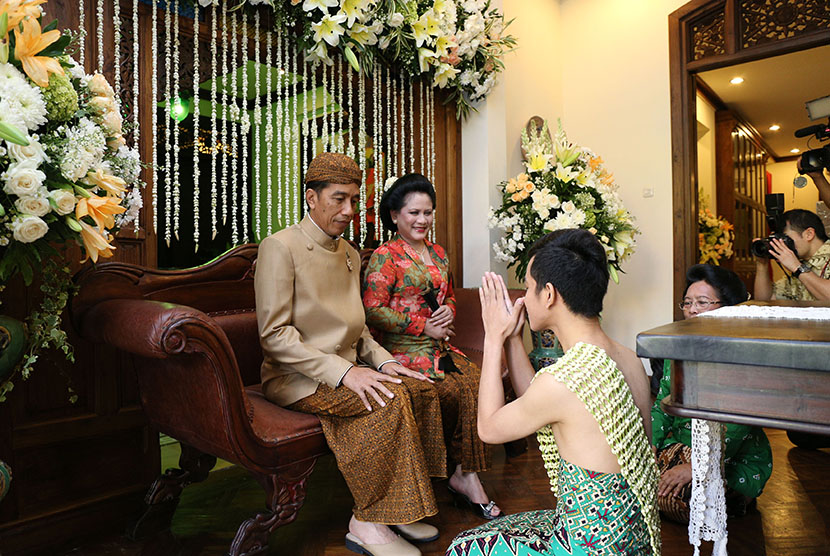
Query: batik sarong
point(597, 514)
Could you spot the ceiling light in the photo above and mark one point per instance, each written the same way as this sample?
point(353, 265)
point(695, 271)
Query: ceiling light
point(774, 127)
point(737, 80)
point(795, 151)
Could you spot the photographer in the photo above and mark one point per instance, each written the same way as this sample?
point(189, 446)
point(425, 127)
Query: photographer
point(820, 180)
point(809, 271)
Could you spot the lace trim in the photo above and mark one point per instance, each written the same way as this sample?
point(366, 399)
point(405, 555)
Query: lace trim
point(707, 507)
point(589, 373)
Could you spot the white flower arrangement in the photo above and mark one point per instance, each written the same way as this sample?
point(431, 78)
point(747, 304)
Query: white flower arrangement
point(452, 44)
point(65, 170)
point(565, 186)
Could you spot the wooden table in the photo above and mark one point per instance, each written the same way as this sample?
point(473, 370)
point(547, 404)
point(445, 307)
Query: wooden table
point(759, 372)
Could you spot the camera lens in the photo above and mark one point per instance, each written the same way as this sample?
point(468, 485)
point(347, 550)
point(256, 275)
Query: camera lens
point(760, 248)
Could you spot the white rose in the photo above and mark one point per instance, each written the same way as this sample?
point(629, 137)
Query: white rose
point(27, 229)
point(102, 105)
point(568, 206)
point(36, 205)
point(395, 19)
point(64, 199)
point(33, 152)
point(23, 179)
point(111, 123)
point(99, 86)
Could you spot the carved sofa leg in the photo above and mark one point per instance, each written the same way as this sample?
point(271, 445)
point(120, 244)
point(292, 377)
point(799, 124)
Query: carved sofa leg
point(163, 496)
point(285, 494)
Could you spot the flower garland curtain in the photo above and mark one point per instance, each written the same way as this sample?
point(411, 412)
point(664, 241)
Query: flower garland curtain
point(244, 94)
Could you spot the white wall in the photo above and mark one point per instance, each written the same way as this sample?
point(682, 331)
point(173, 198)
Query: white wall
point(603, 67)
point(782, 182)
point(531, 85)
point(617, 102)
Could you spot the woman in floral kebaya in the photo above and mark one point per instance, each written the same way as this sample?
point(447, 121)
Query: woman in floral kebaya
point(410, 308)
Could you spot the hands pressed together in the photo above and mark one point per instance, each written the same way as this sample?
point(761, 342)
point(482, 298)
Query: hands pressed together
point(439, 325)
point(502, 319)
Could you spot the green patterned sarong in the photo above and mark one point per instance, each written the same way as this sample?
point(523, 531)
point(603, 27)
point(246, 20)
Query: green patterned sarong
point(596, 514)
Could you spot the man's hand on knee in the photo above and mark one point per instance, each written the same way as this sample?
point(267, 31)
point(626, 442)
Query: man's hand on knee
point(366, 382)
point(396, 369)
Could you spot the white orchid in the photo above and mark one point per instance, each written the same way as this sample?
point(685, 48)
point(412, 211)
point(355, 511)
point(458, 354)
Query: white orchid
point(395, 19)
point(329, 29)
point(319, 53)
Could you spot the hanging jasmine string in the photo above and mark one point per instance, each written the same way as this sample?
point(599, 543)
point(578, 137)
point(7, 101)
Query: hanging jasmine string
point(196, 139)
point(343, 108)
point(280, 129)
point(295, 135)
point(256, 129)
point(313, 138)
point(168, 161)
point(361, 149)
point(421, 128)
point(176, 192)
point(269, 136)
point(396, 171)
point(153, 113)
point(214, 131)
point(387, 75)
point(100, 30)
point(432, 149)
point(116, 47)
point(411, 87)
point(234, 124)
point(305, 113)
point(326, 102)
point(82, 35)
point(245, 128)
point(377, 144)
point(136, 90)
point(350, 118)
point(401, 156)
point(226, 152)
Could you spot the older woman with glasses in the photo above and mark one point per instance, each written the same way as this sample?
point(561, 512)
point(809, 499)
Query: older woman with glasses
point(747, 454)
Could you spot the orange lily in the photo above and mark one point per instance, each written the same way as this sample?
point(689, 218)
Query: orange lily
point(100, 209)
point(95, 243)
point(28, 44)
point(111, 184)
point(18, 12)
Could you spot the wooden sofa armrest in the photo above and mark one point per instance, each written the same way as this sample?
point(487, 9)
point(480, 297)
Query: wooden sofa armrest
point(189, 381)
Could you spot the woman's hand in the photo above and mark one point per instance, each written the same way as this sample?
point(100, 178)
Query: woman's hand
point(501, 318)
point(442, 316)
point(437, 332)
point(673, 480)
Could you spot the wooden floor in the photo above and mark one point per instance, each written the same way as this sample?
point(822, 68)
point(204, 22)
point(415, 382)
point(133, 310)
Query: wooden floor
point(793, 516)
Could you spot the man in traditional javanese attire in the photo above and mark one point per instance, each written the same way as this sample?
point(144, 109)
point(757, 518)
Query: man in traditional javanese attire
point(381, 420)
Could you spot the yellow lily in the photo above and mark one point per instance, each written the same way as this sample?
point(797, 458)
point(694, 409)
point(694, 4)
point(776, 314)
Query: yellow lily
point(100, 209)
point(95, 243)
point(19, 10)
point(28, 44)
point(109, 183)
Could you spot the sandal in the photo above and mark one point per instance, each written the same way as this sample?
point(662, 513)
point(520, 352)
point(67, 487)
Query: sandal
point(482, 510)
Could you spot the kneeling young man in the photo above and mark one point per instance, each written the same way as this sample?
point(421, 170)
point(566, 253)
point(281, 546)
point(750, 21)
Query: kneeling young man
point(590, 410)
point(381, 420)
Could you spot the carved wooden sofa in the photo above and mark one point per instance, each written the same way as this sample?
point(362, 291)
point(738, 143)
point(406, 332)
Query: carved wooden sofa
point(192, 336)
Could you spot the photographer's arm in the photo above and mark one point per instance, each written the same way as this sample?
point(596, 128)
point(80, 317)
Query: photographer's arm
point(763, 281)
point(823, 186)
point(815, 284)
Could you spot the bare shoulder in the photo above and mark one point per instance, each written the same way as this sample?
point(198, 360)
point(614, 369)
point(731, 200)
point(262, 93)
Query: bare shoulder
point(632, 369)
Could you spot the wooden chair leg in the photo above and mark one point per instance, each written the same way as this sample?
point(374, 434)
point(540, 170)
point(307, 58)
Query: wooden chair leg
point(285, 494)
point(163, 496)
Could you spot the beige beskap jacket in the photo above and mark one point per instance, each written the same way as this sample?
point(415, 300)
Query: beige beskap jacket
point(309, 310)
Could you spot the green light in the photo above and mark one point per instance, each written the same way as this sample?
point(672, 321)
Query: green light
point(179, 109)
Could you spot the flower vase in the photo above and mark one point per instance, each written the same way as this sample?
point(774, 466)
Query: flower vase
point(546, 349)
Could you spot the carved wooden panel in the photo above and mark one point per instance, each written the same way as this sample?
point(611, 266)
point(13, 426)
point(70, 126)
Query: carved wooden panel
point(765, 21)
point(707, 34)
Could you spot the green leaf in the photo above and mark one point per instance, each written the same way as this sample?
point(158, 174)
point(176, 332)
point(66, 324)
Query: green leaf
point(12, 134)
point(51, 25)
point(4, 24)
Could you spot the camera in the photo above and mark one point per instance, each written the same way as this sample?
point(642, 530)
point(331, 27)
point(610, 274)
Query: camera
point(775, 220)
point(815, 160)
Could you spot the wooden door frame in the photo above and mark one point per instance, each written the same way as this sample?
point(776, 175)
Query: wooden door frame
point(705, 35)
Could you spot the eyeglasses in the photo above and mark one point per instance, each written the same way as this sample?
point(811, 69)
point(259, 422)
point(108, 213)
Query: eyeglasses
point(702, 304)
